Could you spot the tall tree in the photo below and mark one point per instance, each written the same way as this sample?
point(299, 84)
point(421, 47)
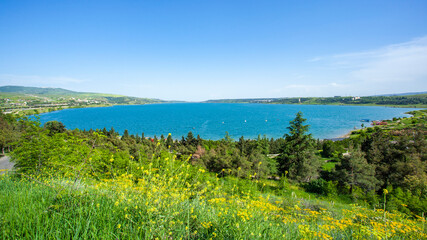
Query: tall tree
point(162, 138)
point(6, 133)
point(298, 157)
point(112, 132)
point(169, 141)
point(263, 145)
point(125, 134)
point(54, 127)
point(327, 148)
point(190, 140)
point(241, 145)
point(104, 131)
point(354, 170)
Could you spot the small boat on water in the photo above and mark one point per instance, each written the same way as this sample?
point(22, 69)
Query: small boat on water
point(365, 120)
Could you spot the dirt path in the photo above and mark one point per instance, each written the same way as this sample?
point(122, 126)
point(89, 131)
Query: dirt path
point(5, 164)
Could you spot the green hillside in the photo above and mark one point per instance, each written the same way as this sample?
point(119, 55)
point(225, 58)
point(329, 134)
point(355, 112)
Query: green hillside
point(401, 100)
point(33, 100)
point(37, 90)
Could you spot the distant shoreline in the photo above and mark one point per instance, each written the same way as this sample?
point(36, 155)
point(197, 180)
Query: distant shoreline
point(342, 136)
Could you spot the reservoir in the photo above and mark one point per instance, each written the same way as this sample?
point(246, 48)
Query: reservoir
point(213, 120)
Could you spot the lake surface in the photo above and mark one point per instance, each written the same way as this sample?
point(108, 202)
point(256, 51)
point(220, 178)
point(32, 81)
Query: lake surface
point(212, 120)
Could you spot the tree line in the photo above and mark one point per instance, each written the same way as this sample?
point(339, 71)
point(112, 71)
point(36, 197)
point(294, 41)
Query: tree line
point(362, 167)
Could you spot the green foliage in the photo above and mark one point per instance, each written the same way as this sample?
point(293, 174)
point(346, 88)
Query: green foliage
point(8, 133)
point(54, 127)
point(93, 184)
point(322, 187)
point(354, 170)
point(387, 158)
point(298, 158)
point(327, 149)
point(419, 100)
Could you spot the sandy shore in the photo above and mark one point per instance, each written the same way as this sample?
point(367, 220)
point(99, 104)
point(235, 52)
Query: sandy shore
point(346, 135)
point(340, 137)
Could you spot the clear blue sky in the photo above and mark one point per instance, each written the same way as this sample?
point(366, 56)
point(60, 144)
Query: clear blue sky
point(198, 50)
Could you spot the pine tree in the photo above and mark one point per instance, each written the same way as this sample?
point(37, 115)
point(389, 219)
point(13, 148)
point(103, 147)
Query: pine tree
point(327, 148)
point(354, 170)
point(241, 145)
point(112, 132)
point(169, 141)
point(54, 127)
point(125, 134)
point(162, 138)
point(263, 145)
point(138, 138)
point(199, 140)
point(190, 139)
point(297, 157)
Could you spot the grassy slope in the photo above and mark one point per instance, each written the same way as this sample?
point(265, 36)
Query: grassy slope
point(37, 97)
point(418, 120)
point(176, 200)
point(18, 91)
point(169, 199)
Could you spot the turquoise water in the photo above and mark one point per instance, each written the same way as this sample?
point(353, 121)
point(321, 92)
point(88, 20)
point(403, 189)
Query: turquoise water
point(212, 120)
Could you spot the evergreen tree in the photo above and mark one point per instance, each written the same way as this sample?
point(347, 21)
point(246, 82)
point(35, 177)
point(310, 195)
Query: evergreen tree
point(227, 139)
point(112, 132)
point(241, 145)
point(54, 127)
point(276, 145)
point(354, 170)
point(169, 141)
point(327, 149)
point(190, 139)
point(125, 134)
point(199, 140)
point(262, 145)
point(7, 133)
point(297, 157)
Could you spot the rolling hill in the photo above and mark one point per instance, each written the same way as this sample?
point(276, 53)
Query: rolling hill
point(29, 99)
